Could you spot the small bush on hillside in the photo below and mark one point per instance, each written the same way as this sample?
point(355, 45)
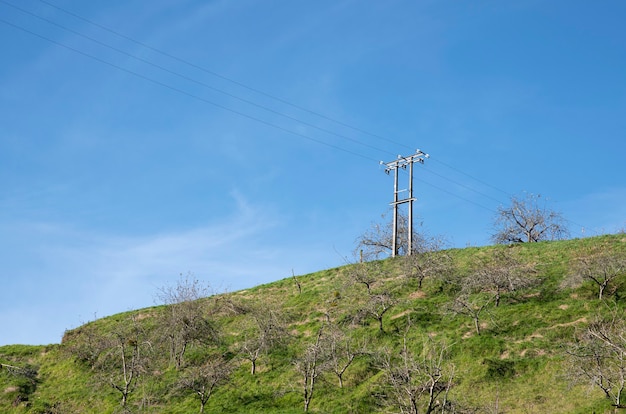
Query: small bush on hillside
point(498, 369)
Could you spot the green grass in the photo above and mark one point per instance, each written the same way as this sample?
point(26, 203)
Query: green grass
point(516, 365)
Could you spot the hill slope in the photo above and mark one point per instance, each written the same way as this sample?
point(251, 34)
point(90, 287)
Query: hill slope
point(487, 330)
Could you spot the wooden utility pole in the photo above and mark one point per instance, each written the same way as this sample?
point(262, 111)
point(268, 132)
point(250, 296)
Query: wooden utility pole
point(395, 165)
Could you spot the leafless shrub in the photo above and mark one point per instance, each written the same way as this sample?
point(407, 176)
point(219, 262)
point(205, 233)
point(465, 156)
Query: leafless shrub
point(603, 268)
point(499, 273)
point(342, 350)
point(126, 357)
point(418, 382)
point(310, 365)
point(528, 220)
point(377, 241)
point(599, 357)
point(202, 380)
point(185, 319)
point(377, 305)
point(265, 330)
point(432, 263)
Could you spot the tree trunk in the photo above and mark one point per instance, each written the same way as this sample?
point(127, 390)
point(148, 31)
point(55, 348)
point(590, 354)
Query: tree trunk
point(414, 409)
point(477, 325)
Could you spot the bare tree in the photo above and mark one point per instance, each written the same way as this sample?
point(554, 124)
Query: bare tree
point(185, 320)
point(499, 273)
point(377, 305)
point(366, 274)
point(528, 220)
point(202, 380)
point(377, 241)
point(599, 357)
point(25, 377)
point(267, 331)
point(310, 365)
point(342, 350)
point(417, 381)
point(126, 358)
point(297, 282)
point(603, 268)
point(431, 262)
point(472, 306)
point(27, 372)
point(85, 344)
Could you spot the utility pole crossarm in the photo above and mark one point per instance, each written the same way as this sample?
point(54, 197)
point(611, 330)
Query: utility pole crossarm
point(395, 165)
point(402, 162)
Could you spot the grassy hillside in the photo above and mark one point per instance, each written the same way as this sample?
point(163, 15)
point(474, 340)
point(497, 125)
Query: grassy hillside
point(514, 359)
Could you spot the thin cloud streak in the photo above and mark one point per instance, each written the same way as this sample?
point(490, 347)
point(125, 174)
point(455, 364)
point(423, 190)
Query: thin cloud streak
point(108, 274)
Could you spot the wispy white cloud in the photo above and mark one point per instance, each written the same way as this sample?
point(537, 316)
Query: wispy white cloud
point(105, 274)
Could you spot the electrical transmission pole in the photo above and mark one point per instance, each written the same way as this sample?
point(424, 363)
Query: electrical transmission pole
point(395, 165)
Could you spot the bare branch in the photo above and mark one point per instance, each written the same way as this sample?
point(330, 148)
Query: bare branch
point(599, 357)
point(601, 267)
point(528, 220)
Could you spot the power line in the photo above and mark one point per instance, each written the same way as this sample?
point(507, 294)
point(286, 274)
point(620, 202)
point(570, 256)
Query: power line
point(183, 92)
point(459, 197)
point(218, 75)
point(472, 177)
point(263, 93)
point(464, 186)
point(160, 67)
point(456, 195)
point(255, 90)
point(240, 113)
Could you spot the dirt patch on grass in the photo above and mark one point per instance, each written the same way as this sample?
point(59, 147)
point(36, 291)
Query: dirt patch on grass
point(533, 352)
point(420, 294)
point(563, 307)
point(576, 322)
point(529, 338)
point(401, 314)
point(143, 315)
point(10, 389)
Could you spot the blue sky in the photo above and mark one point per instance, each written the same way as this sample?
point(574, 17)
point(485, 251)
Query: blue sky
point(238, 140)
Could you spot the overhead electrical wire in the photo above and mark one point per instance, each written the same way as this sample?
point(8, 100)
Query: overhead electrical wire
point(472, 177)
point(185, 77)
point(181, 91)
point(218, 75)
point(459, 197)
point(262, 93)
point(247, 101)
point(462, 185)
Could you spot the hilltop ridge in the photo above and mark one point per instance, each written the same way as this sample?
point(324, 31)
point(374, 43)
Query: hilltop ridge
point(480, 329)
